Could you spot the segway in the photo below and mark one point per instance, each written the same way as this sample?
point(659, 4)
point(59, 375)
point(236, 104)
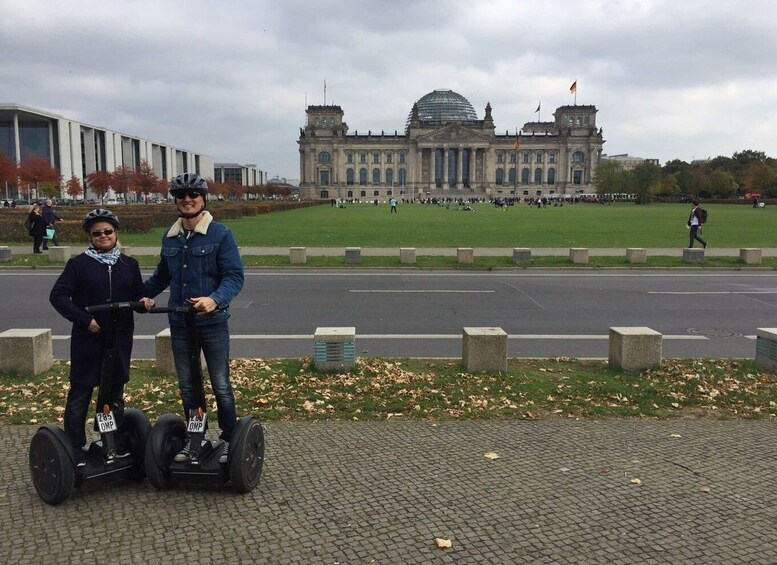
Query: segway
point(54, 463)
point(168, 436)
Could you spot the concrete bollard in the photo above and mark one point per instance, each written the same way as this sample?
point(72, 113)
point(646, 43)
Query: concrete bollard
point(5, 254)
point(298, 255)
point(126, 250)
point(484, 349)
point(750, 256)
point(766, 348)
point(521, 256)
point(334, 349)
point(693, 255)
point(165, 362)
point(634, 348)
point(353, 255)
point(636, 255)
point(465, 256)
point(407, 255)
point(26, 351)
point(59, 254)
point(578, 255)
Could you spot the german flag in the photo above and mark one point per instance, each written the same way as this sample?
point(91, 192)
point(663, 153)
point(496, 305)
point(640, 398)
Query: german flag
point(573, 88)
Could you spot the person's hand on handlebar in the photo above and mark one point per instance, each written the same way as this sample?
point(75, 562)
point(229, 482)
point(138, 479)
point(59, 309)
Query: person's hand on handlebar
point(203, 304)
point(94, 327)
point(147, 302)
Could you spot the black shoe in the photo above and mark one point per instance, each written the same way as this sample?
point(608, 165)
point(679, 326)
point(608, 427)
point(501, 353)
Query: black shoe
point(45, 249)
point(38, 251)
point(705, 245)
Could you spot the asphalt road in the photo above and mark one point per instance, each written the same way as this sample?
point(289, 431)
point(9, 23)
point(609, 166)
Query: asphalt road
point(414, 313)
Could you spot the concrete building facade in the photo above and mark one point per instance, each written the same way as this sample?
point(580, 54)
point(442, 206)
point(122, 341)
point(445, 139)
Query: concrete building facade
point(76, 148)
point(446, 151)
point(244, 175)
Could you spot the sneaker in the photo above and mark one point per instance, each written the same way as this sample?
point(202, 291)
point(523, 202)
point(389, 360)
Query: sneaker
point(224, 457)
point(705, 245)
point(80, 456)
point(123, 447)
point(183, 455)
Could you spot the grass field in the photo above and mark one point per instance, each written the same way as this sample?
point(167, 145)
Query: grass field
point(418, 225)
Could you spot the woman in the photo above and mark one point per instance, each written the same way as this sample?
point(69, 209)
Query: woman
point(37, 227)
point(97, 276)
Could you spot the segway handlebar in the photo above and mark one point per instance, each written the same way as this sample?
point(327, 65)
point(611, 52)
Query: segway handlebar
point(128, 305)
point(171, 309)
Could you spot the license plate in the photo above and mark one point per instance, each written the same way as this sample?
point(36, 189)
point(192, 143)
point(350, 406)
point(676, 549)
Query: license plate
point(197, 424)
point(106, 422)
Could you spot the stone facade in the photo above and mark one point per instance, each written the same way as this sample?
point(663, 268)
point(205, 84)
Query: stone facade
point(445, 151)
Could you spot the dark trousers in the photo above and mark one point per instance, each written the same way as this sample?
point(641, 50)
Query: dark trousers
point(77, 406)
point(36, 242)
point(695, 236)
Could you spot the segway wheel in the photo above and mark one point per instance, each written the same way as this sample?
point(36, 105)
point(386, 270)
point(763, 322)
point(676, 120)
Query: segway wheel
point(51, 466)
point(137, 427)
point(167, 438)
point(246, 454)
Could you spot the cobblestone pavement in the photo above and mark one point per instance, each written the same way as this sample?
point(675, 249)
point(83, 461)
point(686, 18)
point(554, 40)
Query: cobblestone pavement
point(561, 491)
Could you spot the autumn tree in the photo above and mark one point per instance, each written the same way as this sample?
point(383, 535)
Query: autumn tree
point(609, 178)
point(145, 180)
point(9, 174)
point(123, 177)
point(35, 171)
point(99, 182)
point(73, 187)
point(721, 184)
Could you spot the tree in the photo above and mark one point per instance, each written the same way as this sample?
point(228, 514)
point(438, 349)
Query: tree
point(670, 188)
point(9, 173)
point(99, 182)
point(762, 178)
point(749, 156)
point(609, 178)
point(74, 188)
point(123, 177)
point(721, 184)
point(646, 181)
point(36, 170)
point(145, 180)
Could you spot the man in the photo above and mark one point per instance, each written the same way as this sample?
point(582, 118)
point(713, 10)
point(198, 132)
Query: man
point(694, 222)
point(50, 218)
point(201, 264)
point(393, 204)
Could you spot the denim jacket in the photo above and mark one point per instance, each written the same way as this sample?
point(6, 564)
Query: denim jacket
point(206, 264)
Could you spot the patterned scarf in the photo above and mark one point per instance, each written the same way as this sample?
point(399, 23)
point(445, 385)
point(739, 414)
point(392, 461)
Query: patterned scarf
point(108, 258)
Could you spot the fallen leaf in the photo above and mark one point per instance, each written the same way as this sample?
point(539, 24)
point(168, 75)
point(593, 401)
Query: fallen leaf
point(635, 481)
point(442, 543)
point(564, 469)
point(491, 455)
point(704, 488)
point(675, 435)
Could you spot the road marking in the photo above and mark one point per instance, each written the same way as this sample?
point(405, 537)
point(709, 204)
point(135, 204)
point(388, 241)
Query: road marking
point(424, 336)
point(424, 291)
point(694, 292)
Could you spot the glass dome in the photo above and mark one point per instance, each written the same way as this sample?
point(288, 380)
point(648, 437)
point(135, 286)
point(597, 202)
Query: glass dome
point(442, 106)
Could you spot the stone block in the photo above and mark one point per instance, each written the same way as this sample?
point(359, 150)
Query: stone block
point(693, 255)
point(407, 255)
point(353, 255)
point(5, 254)
point(465, 256)
point(634, 348)
point(126, 250)
point(521, 256)
point(334, 348)
point(766, 348)
point(165, 363)
point(298, 255)
point(59, 254)
point(484, 349)
point(578, 255)
point(636, 255)
point(750, 256)
point(26, 351)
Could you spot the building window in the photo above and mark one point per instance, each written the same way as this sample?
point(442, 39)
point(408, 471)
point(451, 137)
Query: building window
point(513, 157)
point(500, 157)
point(350, 157)
point(389, 157)
point(401, 158)
point(577, 177)
point(525, 175)
point(526, 157)
point(323, 177)
point(350, 194)
point(349, 176)
point(362, 176)
point(376, 192)
point(552, 157)
point(375, 176)
point(324, 194)
point(389, 177)
point(363, 193)
point(500, 176)
point(511, 176)
point(551, 176)
point(537, 176)
point(578, 157)
point(539, 157)
point(376, 157)
point(362, 158)
point(402, 177)
point(388, 192)
point(324, 157)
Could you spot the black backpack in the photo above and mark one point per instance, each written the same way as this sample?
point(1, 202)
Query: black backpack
point(28, 224)
point(702, 215)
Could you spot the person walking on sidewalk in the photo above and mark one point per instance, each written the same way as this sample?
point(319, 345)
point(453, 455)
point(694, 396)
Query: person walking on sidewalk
point(37, 227)
point(201, 264)
point(694, 223)
point(50, 218)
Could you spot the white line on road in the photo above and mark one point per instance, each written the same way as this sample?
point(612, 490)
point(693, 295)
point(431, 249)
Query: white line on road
point(260, 337)
point(425, 291)
point(694, 292)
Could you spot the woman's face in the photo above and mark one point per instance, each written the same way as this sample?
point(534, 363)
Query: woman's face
point(99, 239)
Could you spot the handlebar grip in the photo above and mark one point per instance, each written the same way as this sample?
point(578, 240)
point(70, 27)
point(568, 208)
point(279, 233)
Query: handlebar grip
point(173, 309)
point(129, 305)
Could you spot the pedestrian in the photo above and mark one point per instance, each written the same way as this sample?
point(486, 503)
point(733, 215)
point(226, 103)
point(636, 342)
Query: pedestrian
point(694, 223)
point(201, 264)
point(50, 218)
point(99, 275)
point(37, 227)
point(393, 204)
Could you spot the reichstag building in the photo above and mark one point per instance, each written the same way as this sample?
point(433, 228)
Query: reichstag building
point(446, 151)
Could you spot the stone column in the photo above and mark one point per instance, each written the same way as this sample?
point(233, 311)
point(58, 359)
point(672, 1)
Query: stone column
point(460, 168)
point(445, 167)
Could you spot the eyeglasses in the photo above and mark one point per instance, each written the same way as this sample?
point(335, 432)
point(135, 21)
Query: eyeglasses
point(190, 193)
point(98, 233)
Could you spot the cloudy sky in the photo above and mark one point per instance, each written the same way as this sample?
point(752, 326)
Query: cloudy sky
point(671, 79)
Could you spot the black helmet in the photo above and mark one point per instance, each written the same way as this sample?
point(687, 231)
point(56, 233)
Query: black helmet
point(189, 181)
point(99, 215)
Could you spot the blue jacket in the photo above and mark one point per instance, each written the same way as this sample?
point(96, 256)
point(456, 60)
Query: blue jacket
point(208, 263)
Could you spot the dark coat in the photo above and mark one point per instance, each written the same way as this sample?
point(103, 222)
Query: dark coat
point(38, 224)
point(86, 282)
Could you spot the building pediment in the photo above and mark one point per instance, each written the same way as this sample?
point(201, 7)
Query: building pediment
point(453, 133)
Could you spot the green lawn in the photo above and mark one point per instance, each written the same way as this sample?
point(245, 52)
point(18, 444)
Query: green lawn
point(418, 225)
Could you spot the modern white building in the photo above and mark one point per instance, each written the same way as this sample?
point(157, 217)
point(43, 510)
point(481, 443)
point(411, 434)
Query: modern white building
point(244, 175)
point(76, 148)
point(629, 162)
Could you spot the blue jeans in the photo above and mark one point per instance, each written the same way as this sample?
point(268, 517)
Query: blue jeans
point(77, 406)
point(214, 343)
